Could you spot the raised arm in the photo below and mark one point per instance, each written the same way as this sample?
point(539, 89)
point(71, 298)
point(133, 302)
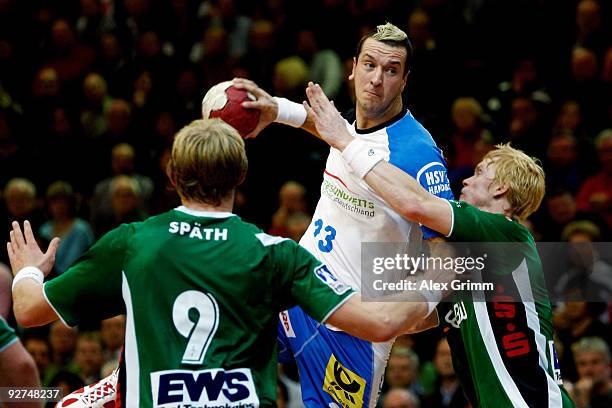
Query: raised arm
point(401, 191)
point(30, 265)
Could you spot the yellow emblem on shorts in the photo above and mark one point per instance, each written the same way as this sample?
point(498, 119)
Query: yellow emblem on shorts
point(343, 385)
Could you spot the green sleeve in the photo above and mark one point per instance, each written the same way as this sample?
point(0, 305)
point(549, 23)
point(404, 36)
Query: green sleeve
point(7, 335)
point(308, 283)
point(90, 290)
point(473, 225)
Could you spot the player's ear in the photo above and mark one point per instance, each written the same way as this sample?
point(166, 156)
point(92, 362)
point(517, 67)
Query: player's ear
point(405, 80)
point(352, 76)
point(170, 173)
point(499, 190)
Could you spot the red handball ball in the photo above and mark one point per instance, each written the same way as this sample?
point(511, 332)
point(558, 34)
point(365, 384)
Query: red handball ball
point(224, 101)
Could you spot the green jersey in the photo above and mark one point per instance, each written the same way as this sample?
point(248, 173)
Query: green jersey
point(7, 335)
point(202, 292)
point(503, 349)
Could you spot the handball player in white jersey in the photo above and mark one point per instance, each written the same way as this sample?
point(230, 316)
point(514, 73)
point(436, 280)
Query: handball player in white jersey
point(337, 369)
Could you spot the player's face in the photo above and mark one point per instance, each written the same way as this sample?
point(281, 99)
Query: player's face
point(479, 190)
point(379, 79)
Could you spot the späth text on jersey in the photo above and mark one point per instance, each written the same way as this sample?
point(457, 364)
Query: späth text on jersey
point(195, 230)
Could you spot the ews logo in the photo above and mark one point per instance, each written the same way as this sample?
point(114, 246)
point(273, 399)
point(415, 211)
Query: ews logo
point(346, 387)
point(233, 388)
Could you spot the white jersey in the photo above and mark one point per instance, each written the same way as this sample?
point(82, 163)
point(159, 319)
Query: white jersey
point(349, 212)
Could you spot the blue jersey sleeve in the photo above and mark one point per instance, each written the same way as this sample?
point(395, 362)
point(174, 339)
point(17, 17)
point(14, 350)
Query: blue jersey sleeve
point(413, 150)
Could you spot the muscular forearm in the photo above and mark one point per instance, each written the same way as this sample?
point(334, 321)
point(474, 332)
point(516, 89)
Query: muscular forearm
point(382, 321)
point(30, 306)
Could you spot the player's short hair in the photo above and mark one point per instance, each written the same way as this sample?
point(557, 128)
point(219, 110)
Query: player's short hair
point(393, 36)
point(208, 161)
point(592, 345)
point(524, 177)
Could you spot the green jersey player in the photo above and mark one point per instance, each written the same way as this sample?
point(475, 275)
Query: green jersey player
point(17, 368)
point(201, 288)
point(503, 350)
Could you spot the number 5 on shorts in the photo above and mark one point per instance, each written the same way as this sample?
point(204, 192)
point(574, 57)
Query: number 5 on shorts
point(200, 333)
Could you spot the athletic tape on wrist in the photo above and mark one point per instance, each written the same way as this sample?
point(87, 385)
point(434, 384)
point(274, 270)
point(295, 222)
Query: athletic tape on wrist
point(360, 157)
point(29, 272)
point(433, 297)
point(290, 113)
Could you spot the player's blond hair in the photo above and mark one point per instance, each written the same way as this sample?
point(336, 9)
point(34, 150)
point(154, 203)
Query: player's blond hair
point(207, 161)
point(391, 35)
point(524, 177)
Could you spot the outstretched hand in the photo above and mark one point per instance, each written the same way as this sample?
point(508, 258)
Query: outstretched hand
point(23, 250)
point(328, 121)
point(265, 103)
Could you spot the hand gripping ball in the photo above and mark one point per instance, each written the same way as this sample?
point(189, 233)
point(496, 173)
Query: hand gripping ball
point(224, 101)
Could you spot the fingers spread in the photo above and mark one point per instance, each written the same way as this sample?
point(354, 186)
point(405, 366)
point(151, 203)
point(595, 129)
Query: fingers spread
point(17, 235)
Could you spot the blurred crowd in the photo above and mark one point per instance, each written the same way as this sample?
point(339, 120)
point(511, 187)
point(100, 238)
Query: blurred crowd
point(93, 91)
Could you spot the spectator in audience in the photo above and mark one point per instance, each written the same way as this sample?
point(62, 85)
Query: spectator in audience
point(589, 23)
point(561, 210)
point(126, 205)
point(593, 389)
point(66, 55)
point(96, 103)
point(403, 370)
point(20, 202)
point(297, 224)
point(212, 56)
point(562, 167)
point(113, 65)
point(595, 194)
point(292, 199)
point(525, 82)
point(324, 65)
point(526, 128)
point(225, 13)
point(88, 356)
point(469, 122)
point(112, 333)
point(586, 88)
point(123, 162)
point(573, 321)
point(40, 350)
point(447, 392)
point(75, 233)
point(400, 398)
point(290, 77)
point(63, 342)
point(587, 275)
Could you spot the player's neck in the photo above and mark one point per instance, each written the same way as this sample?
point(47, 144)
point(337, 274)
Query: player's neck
point(365, 122)
point(226, 205)
point(497, 206)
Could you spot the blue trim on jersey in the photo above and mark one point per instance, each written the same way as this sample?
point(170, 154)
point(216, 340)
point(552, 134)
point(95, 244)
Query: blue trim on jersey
point(313, 346)
point(413, 150)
